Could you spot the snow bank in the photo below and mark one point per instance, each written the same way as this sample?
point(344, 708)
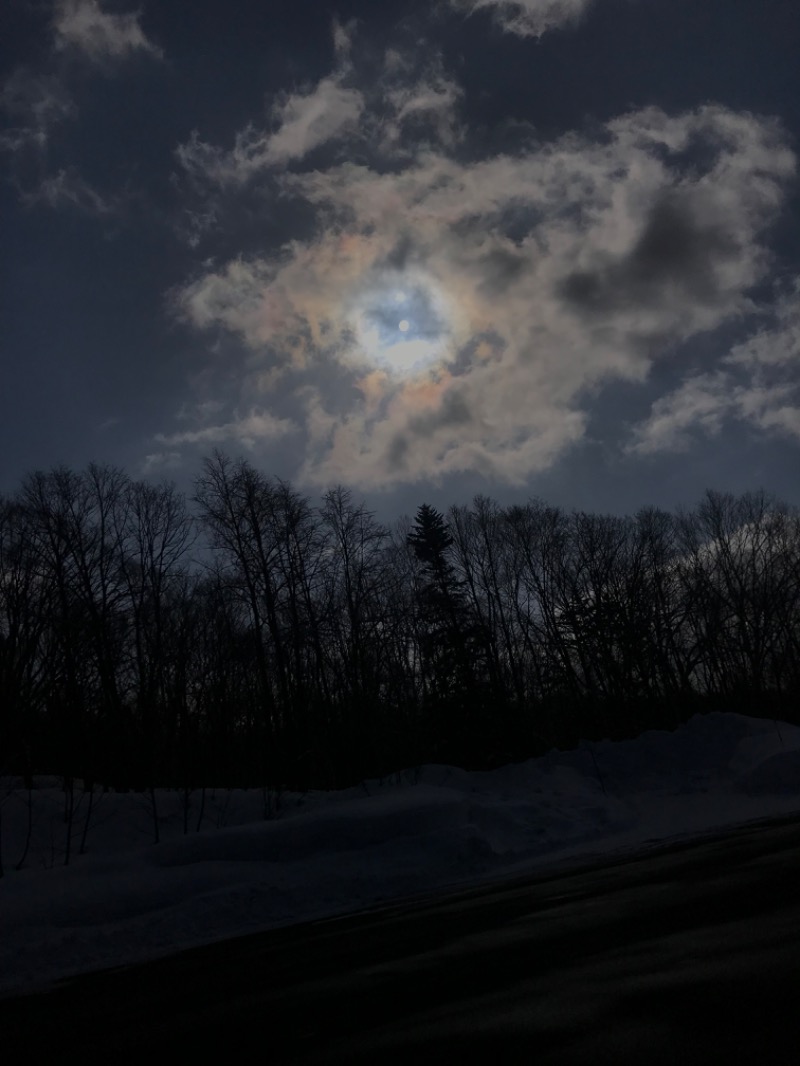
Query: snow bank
point(127, 899)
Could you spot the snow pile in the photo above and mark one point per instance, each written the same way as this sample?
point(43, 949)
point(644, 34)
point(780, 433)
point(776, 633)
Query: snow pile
point(127, 899)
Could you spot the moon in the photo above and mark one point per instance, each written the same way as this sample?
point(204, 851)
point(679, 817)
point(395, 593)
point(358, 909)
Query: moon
point(405, 325)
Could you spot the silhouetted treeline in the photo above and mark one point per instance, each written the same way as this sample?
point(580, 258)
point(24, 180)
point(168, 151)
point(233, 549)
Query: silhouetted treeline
point(253, 638)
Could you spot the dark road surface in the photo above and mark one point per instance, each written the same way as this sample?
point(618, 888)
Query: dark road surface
point(688, 955)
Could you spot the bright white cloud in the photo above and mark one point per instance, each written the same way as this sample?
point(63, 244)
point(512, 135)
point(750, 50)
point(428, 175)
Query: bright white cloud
point(85, 26)
point(772, 408)
point(757, 383)
point(701, 403)
point(538, 277)
point(34, 103)
point(411, 106)
point(248, 429)
point(301, 121)
point(343, 34)
point(67, 188)
point(417, 102)
point(230, 296)
point(159, 462)
point(778, 345)
point(304, 122)
point(528, 18)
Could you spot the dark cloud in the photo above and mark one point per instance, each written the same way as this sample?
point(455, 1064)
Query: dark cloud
point(677, 252)
point(678, 247)
point(486, 345)
point(396, 453)
point(502, 268)
point(401, 256)
point(454, 412)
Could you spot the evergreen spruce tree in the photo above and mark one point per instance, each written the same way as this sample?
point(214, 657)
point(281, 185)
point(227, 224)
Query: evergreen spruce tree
point(445, 626)
point(430, 541)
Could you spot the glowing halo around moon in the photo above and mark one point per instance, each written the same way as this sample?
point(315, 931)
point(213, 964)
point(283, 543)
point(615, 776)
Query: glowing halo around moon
point(403, 324)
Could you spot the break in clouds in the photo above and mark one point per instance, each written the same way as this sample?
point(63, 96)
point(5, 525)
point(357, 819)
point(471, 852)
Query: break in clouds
point(442, 309)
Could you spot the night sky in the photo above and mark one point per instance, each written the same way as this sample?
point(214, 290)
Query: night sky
point(425, 249)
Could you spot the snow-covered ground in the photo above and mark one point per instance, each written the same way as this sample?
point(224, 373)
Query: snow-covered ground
point(127, 899)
